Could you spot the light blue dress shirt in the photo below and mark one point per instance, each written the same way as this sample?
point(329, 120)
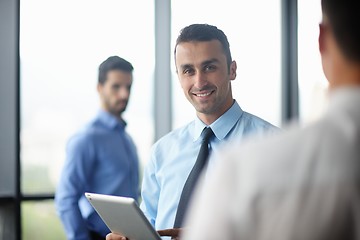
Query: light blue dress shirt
point(101, 158)
point(174, 155)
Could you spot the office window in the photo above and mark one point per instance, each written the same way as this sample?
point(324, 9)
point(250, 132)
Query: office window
point(62, 44)
point(312, 81)
point(253, 30)
point(39, 221)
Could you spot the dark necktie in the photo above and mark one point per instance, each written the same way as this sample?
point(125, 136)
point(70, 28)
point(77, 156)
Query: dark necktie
point(193, 177)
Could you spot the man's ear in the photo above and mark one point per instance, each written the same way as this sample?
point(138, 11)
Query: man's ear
point(99, 88)
point(322, 36)
point(233, 68)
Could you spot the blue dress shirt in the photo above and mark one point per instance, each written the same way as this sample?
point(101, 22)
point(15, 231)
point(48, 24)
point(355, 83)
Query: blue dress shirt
point(101, 158)
point(174, 155)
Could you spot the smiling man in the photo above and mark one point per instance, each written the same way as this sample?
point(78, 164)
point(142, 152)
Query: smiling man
point(205, 70)
point(100, 158)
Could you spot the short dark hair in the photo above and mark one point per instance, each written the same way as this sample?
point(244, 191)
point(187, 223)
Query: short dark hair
point(344, 20)
point(202, 33)
point(113, 63)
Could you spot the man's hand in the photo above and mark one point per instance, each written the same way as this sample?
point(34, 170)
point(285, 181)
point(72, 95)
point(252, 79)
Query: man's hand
point(114, 236)
point(173, 233)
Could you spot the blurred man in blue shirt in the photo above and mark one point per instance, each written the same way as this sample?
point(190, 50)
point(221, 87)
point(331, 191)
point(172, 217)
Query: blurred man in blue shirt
point(100, 158)
point(205, 70)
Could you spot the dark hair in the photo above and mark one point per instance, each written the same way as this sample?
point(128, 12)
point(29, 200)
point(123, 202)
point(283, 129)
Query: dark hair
point(202, 33)
point(113, 63)
point(344, 20)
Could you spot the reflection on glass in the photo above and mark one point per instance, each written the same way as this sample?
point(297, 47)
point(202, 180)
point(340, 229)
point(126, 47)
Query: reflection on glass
point(62, 44)
point(312, 82)
point(253, 30)
point(39, 221)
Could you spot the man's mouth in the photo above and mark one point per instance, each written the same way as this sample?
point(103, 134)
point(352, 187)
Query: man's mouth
point(203, 94)
point(121, 103)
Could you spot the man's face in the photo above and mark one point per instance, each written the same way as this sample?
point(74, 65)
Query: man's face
point(115, 91)
point(204, 76)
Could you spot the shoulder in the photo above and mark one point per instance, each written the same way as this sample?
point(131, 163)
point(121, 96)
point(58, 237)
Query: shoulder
point(85, 136)
point(253, 126)
point(255, 121)
point(319, 153)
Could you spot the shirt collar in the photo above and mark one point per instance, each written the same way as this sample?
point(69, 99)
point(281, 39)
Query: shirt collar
point(222, 126)
point(110, 120)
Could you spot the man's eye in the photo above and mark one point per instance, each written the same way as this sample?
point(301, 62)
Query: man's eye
point(115, 87)
point(209, 68)
point(188, 71)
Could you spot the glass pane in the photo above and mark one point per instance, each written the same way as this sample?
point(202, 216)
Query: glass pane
point(253, 30)
point(312, 82)
point(62, 44)
point(39, 221)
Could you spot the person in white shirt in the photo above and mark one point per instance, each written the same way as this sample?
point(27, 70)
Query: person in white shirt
point(303, 183)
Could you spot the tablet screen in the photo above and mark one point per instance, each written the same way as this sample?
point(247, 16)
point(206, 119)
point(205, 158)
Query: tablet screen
point(122, 215)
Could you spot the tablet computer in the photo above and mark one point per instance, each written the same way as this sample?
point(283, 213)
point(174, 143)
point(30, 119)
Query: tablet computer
point(123, 216)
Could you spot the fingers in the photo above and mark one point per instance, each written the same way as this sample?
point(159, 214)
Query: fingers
point(113, 236)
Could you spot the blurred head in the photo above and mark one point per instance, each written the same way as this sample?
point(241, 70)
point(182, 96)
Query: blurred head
point(339, 42)
point(114, 84)
point(205, 70)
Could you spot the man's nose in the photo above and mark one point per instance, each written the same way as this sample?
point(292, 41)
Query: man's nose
point(200, 79)
point(123, 93)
